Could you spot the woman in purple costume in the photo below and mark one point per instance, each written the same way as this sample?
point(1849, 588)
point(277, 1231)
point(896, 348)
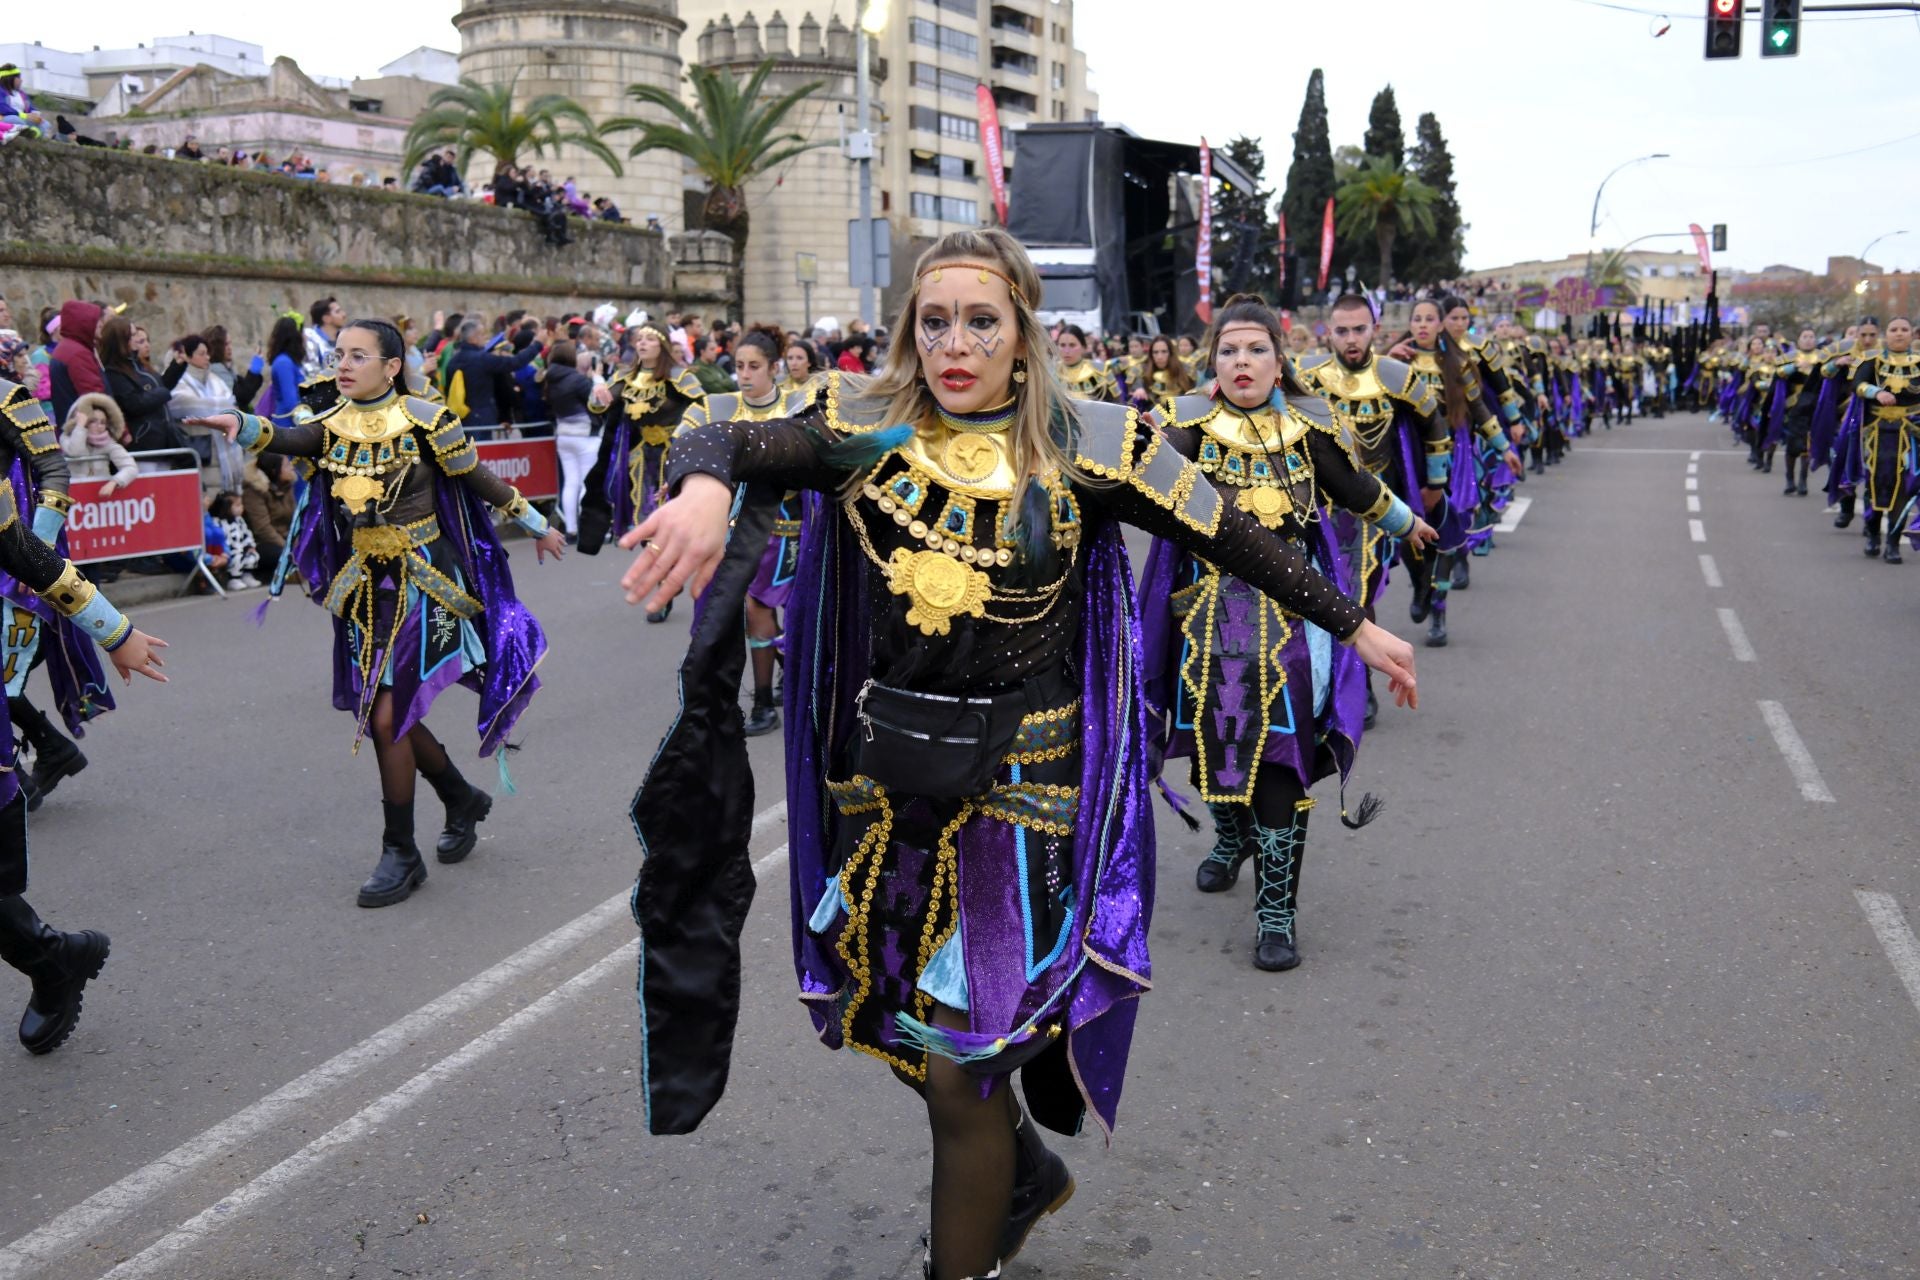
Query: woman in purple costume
point(1256, 695)
point(970, 834)
point(395, 538)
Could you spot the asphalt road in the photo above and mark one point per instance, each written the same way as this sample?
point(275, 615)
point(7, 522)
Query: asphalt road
point(1603, 993)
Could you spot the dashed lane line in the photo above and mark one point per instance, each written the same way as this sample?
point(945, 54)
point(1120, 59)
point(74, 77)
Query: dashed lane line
point(1737, 636)
point(1693, 482)
point(1696, 530)
point(81, 1223)
point(1896, 939)
point(1711, 572)
point(1514, 513)
point(1799, 760)
point(1693, 502)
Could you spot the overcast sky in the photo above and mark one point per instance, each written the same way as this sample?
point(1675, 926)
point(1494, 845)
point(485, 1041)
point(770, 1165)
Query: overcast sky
point(1538, 98)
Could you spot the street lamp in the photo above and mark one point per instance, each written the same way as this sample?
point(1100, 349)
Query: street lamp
point(870, 19)
point(1860, 288)
point(1593, 225)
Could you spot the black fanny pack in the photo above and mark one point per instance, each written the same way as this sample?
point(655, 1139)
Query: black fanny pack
point(936, 745)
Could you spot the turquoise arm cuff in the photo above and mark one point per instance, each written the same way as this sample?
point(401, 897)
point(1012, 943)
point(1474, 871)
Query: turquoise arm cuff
point(254, 435)
point(1398, 522)
point(106, 624)
point(532, 523)
point(1439, 467)
point(47, 524)
point(1498, 439)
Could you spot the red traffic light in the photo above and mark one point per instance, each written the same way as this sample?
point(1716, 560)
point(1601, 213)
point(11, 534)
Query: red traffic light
point(1726, 8)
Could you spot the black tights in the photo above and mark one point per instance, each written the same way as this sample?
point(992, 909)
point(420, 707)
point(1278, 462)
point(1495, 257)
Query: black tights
point(973, 1159)
point(400, 759)
point(763, 625)
point(1276, 794)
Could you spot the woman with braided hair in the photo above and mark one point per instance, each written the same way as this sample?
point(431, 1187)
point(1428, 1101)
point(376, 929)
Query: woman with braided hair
point(970, 839)
point(395, 535)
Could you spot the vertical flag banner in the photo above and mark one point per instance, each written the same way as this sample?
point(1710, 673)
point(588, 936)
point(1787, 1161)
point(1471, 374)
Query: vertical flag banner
point(990, 141)
point(1326, 245)
point(1700, 245)
point(1203, 249)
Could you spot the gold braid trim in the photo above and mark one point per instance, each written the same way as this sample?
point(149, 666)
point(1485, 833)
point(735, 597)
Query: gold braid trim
point(56, 501)
point(70, 592)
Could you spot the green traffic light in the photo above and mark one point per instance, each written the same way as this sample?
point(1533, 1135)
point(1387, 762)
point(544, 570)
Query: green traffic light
point(1781, 37)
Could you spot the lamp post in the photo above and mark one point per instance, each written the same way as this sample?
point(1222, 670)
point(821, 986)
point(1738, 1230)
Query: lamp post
point(870, 19)
point(1593, 224)
point(1860, 288)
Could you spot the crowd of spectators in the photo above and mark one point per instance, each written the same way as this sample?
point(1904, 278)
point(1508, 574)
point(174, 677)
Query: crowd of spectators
point(123, 405)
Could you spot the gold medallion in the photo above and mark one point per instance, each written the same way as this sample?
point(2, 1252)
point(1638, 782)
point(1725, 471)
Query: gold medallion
point(355, 492)
point(1896, 384)
point(1268, 506)
point(970, 457)
point(938, 588)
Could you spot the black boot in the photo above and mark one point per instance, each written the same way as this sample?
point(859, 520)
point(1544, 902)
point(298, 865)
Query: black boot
point(60, 964)
point(400, 870)
point(1042, 1185)
point(1422, 599)
point(467, 807)
point(1437, 627)
point(1232, 846)
point(55, 756)
point(1804, 467)
point(1892, 554)
point(1277, 893)
point(1873, 535)
point(1373, 705)
point(1766, 461)
point(1462, 576)
point(1845, 517)
point(765, 717)
point(662, 613)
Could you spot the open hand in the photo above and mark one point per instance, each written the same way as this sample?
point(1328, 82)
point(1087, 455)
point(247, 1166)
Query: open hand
point(1513, 461)
point(1392, 657)
point(551, 543)
point(680, 544)
point(139, 653)
point(227, 424)
point(1886, 397)
point(1423, 533)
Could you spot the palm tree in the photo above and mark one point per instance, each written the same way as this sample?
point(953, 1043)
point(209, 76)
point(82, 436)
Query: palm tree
point(730, 135)
point(471, 117)
point(1379, 198)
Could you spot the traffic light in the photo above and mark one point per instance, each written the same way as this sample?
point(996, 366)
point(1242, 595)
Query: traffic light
point(1782, 29)
point(1723, 28)
point(1719, 237)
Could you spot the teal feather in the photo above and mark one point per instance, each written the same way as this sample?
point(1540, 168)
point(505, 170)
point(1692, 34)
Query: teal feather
point(1035, 562)
point(862, 450)
point(506, 777)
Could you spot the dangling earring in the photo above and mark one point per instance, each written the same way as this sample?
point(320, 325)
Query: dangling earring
point(1020, 371)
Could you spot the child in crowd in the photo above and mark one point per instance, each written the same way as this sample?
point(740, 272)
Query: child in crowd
point(227, 527)
point(95, 426)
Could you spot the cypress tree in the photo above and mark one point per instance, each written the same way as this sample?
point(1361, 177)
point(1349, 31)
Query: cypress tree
point(1310, 180)
point(1385, 138)
point(1435, 257)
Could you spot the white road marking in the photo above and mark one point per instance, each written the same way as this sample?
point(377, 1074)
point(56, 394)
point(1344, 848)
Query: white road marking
point(1693, 468)
point(82, 1222)
point(1695, 455)
point(1737, 637)
point(1711, 572)
point(1693, 502)
point(1693, 482)
point(1697, 531)
point(1799, 759)
point(1511, 519)
point(1896, 939)
point(1608, 450)
point(197, 1229)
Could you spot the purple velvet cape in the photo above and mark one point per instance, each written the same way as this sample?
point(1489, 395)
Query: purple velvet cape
point(80, 687)
point(693, 817)
point(1338, 728)
point(512, 638)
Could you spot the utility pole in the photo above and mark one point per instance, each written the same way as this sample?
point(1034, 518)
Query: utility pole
point(870, 19)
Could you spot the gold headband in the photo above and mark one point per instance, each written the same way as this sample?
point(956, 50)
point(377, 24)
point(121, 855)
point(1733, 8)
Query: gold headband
point(985, 273)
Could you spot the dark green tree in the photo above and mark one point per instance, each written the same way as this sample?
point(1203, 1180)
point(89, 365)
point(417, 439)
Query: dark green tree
point(1435, 256)
point(1244, 235)
point(1385, 140)
point(1310, 178)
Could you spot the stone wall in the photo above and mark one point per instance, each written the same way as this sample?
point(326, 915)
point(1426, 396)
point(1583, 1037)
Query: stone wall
point(185, 245)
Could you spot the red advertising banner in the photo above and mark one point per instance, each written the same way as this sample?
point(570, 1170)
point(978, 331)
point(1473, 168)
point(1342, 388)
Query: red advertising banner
point(1326, 245)
point(154, 515)
point(1700, 245)
point(1203, 248)
point(1282, 281)
point(531, 466)
point(990, 141)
